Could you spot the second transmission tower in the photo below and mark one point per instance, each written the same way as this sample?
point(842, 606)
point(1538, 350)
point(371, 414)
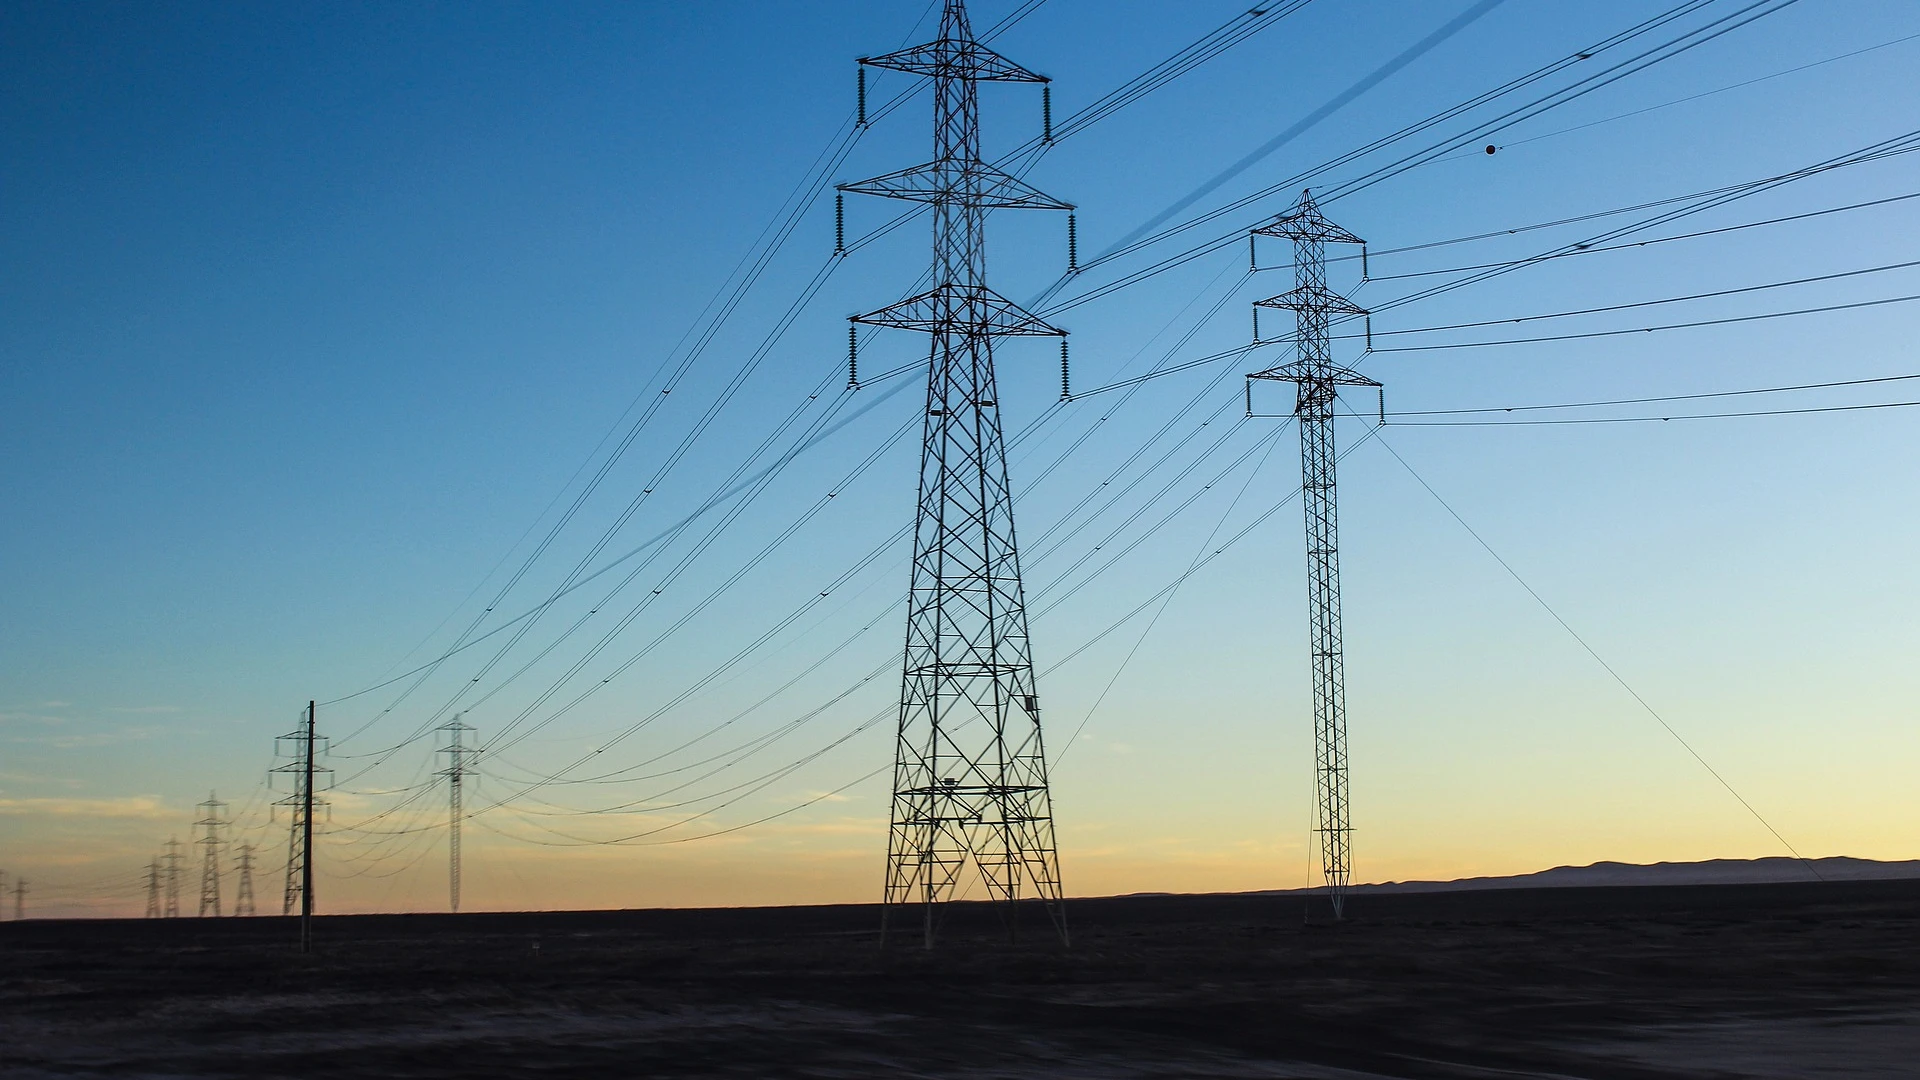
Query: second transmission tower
point(1317, 380)
point(301, 746)
point(172, 859)
point(459, 759)
point(970, 770)
point(243, 896)
point(211, 841)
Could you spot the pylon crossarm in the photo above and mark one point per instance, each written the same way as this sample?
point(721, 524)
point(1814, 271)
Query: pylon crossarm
point(1305, 222)
point(1312, 298)
point(973, 182)
point(955, 58)
point(973, 309)
point(1301, 371)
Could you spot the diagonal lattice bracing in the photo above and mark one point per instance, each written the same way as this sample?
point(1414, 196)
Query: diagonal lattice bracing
point(1317, 380)
point(970, 771)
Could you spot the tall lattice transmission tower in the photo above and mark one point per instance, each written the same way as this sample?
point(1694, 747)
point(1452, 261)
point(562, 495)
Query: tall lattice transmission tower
point(459, 758)
point(211, 841)
point(243, 895)
point(1317, 380)
point(19, 898)
point(153, 889)
point(300, 750)
point(970, 770)
point(172, 859)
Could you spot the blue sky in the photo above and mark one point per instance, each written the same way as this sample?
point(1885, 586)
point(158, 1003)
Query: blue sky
point(313, 313)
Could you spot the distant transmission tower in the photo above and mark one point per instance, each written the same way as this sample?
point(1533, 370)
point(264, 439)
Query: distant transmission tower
point(172, 859)
point(243, 896)
point(970, 772)
point(211, 842)
point(1317, 380)
point(153, 889)
point(301, 746)
point(298, 748)
point(19, 898)
point(459, 763)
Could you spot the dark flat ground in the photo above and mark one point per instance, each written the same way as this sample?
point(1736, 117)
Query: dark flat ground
point(1814, 980)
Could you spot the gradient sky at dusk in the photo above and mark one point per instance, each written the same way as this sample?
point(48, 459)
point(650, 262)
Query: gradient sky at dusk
point(310, 316)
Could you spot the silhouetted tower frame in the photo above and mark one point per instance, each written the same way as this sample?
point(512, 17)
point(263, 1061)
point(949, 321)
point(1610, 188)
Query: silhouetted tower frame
point(211, 841)
point(153, 889)
point(1317, 380)
point(970, 772)
point(172, 859)
point(459, 758)
point(19, 898)
point(302, 745)
point(243, 895)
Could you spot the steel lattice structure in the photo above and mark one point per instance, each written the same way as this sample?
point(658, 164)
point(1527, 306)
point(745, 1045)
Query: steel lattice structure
point(172, 859)
point(301, 747)
point(153, 889)
point(211, 841)
point(243, 896)
point(1317, 380)
point(459, 764)
point(970, 770)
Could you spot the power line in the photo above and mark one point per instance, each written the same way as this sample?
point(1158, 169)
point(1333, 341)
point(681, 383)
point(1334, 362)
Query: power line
point(1590, 651)
point(1644, 303)
point(1652, 400)
point(1662, 419)
point(1653, 329)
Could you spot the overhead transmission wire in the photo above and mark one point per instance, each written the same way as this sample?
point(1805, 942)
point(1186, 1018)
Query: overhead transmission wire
point(1697, 202)
point(1601, 660)
point(1110, 97)
point(592, 688)
point(740, 280)
point(1634, 305)
point(1666, 50)
point(882, 667)
point(1703, 94)
point(767, 779)
point(1611, 402)
point(900, 534)
point(1155, 77)
point(858, 684)
point(1631, 245)
point(1179, 344)
point(1753, 6)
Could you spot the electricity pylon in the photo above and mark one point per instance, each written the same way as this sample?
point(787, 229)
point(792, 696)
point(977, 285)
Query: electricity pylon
point(172, 859)
point(970, 771)
point(243, 896)
point(301, 746)
point(459, 764)
point(19, 898)
point(1317, 380)
point(211, 841)
point(153, 889)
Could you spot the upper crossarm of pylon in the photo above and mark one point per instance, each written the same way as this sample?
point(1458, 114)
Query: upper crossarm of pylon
point(955, 59)
point(973, 182)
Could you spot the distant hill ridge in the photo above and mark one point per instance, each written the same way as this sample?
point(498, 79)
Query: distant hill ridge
point(1709, 872)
